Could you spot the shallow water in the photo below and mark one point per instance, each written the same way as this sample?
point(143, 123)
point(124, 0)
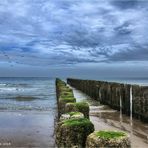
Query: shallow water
point(105, 118)
point(27, 112)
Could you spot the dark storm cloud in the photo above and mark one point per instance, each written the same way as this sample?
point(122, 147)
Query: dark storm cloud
point(123, 29)
point(129, 4)
point(126, 4)
point(140, 54)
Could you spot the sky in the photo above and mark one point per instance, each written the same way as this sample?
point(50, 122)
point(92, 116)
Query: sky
point(79, 38)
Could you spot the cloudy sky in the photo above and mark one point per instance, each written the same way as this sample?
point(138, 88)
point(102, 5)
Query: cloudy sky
point(87, 38)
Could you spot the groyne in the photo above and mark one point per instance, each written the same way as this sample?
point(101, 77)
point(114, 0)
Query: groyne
point(73, 118)
point(74, 129)
point(131, 99)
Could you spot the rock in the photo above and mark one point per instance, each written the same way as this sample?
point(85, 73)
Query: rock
point(82, 107)
point(73, 132)
point(105, 139)
point(67, 93)
point(64, 117)
point(71, 115)
point(62, 102)
point(64, 95)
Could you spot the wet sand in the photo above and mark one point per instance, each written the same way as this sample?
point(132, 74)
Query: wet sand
point(105, 118)
point(27, 129)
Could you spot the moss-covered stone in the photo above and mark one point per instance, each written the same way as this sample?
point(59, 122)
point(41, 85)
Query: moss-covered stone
point(66, 94)
point(80, 107)
point(60, 83)
point(105, 139)
point(75, 113)
point(63, 101)
point(67, 99)
point(73, 132)
point(71, 115)
point(72, 129)
point(65, 89)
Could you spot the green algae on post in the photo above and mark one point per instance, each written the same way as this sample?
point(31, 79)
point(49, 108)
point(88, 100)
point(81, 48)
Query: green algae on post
point(110, 134)
point(74, 113)
point(80, 107)
point(116, 139)
point(73, 132)
point(68, 99)
point(72, 129)
point(78, 122)
point(67, 93)
point(62, 102)
point(64, 95)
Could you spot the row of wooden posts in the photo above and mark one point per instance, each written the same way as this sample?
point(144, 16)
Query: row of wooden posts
point(74, 128)
point(130, 98)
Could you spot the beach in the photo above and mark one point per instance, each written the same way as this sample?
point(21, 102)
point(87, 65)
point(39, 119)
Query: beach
point(27, 112)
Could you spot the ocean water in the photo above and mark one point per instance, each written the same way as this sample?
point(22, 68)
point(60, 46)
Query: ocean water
point(27, 94)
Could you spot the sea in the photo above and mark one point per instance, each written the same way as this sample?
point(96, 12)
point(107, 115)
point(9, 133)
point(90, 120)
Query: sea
point(27, 94)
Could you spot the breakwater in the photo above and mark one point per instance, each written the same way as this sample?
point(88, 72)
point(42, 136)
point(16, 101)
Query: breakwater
point(73, 118)
point(131, 99)
point(74, 129)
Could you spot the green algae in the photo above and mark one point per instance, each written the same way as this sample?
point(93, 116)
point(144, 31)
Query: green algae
point(82, 106)
point(74, 113)
point(67, 99)
point(66, 94)
point(78, 122)
point(79, 107)
point(110, 134)
point(72, 123)
point(73, 132)
point(106, 139)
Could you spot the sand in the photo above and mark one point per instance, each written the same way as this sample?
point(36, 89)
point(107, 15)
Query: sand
point(27, 129)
